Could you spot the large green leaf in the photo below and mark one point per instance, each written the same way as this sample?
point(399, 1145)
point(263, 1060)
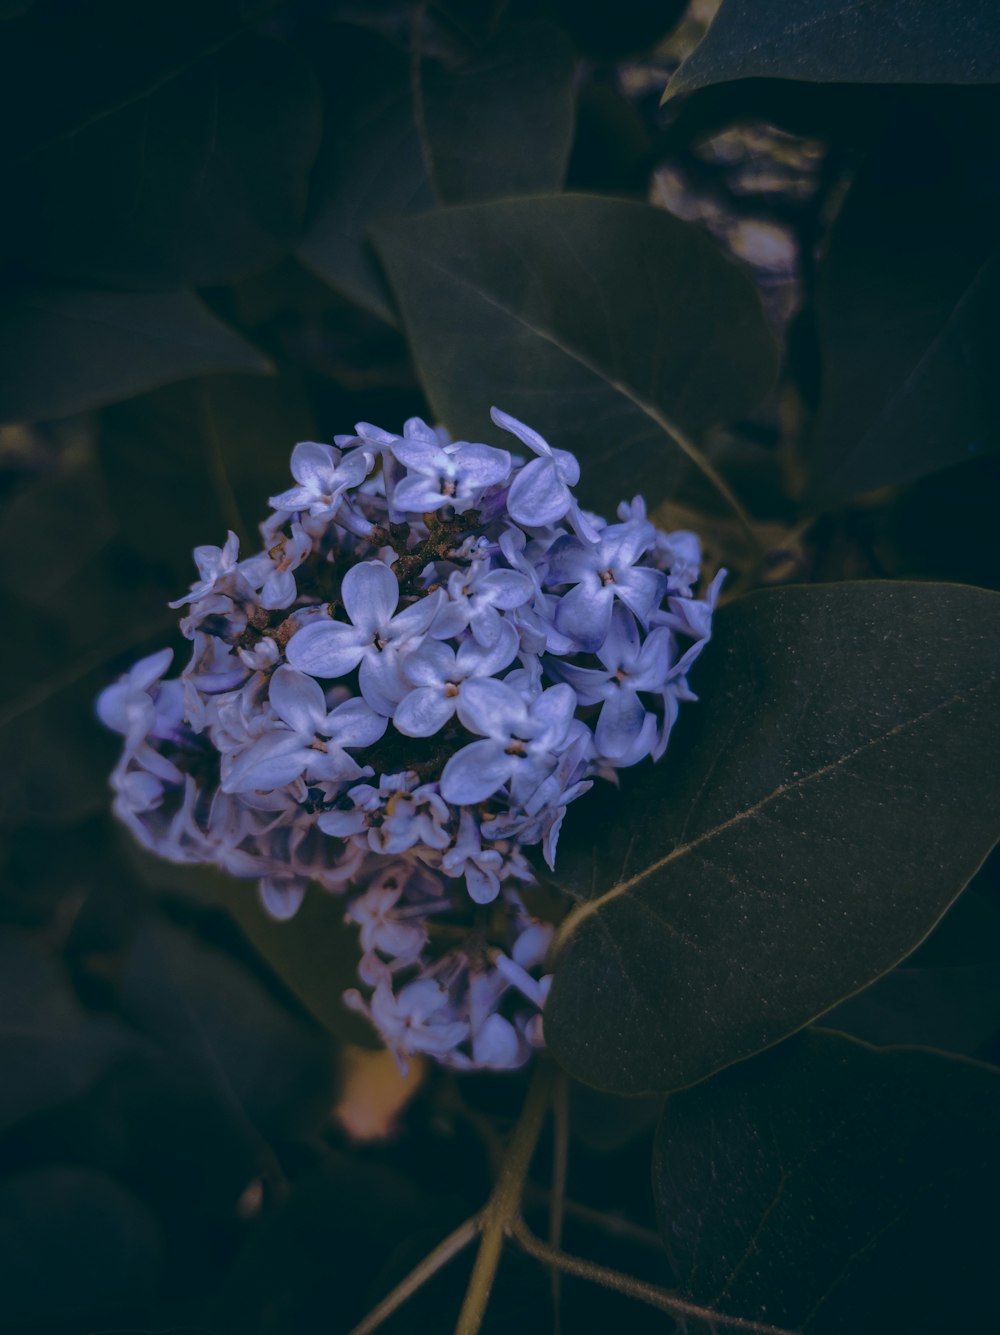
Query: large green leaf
point(868, 41)
point(906, 307)
point(197, 182)
point(68, 349)
point(403, 136)
point(823, 804)
point(829, 1187)
point(602, 322)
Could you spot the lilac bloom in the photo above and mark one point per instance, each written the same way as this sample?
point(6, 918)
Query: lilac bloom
point(521, 743)
point(287, 554)
point(412, 819)
point(540, 493)
point(455, 474)
point(418, 1019)
point(309, 740)
point(322, 476)
point(370, 594)
point(478, 596)
point(602, 572)
point(480, 866)
point(629, 666)
point(382, 927)
point(439, 674)
point(214, 564)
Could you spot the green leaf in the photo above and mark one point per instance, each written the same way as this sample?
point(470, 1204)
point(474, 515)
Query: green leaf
point(819, 809)
point(69, 349)
point(59, 77)
point(402, 139)
point(315, 954)
point(605, 323)
point(906, 307)
point(51, 1049)
point(867, 41)
point(195, 183)
point(829, 1187)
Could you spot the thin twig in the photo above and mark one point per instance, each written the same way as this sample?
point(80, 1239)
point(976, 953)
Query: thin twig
point(420, 1274)
point(613, 1225)
point(557, 1198)
point(504, 1206)
point(652, 1294)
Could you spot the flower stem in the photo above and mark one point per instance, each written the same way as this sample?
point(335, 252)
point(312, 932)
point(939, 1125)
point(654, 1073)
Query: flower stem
point(503, 1209)
point(419, 1275)
point(652, 1294)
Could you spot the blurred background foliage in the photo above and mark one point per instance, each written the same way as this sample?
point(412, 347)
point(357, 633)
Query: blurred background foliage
point(234, 224)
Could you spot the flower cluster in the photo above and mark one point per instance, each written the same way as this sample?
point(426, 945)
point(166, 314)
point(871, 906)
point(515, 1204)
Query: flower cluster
point(434, 653)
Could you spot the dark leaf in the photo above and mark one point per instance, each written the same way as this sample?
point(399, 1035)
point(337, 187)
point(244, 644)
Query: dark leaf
point(867, 41)
point(195, 183)
point(315, 954)
point(954, 1009)
point(906, 308)
point(601, 322)
point(188, 462)
point(607, 30)
point(497, 122)
point(70, 65)
point(69, 349)
point(51, 1049)
point(822, 805)
point(76, 1245)
point(266, 1064)
point(501, 123)
point(828, 1187)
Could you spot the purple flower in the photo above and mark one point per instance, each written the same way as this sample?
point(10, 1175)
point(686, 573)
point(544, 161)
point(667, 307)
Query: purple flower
point(370, 594)
point(478, 595)
point(439, 673)
point(455, 475)
point(308, 740)
point(540, 493)
point(522, 743)
point(602, 572)
point(323, 477)
point(625, 728)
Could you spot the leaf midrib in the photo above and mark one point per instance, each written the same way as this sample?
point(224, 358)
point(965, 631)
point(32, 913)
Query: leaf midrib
point(585, 910)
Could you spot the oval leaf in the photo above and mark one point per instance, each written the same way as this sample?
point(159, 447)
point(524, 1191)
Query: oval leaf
point(827, 800)
point(403, 140)
point(827, 41)
point(196, 183)
point(69, 349)
point(906, 309)
point(829, 1187)
point(602, 322)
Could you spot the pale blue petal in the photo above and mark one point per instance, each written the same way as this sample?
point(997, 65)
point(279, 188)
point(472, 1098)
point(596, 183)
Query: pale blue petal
point(538, 496)
point(584, 614)
point(424, 712)
point(297, 700)
point(326, 649)
point(370, 594)
point(475, 773)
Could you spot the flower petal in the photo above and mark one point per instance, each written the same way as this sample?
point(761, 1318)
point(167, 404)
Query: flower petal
point(297, 700)
point(326, 649)
point(475, 773)
point(424, 712)
point(370, 594)
point(538, 496)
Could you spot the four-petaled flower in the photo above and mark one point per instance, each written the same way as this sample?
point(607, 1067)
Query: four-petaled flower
point(308, 738)
point(323, 477)
point(521, 743)
point(455, 475)
point(540, 493)
point(370, 594)
point(603, 571)
point(439, 674)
